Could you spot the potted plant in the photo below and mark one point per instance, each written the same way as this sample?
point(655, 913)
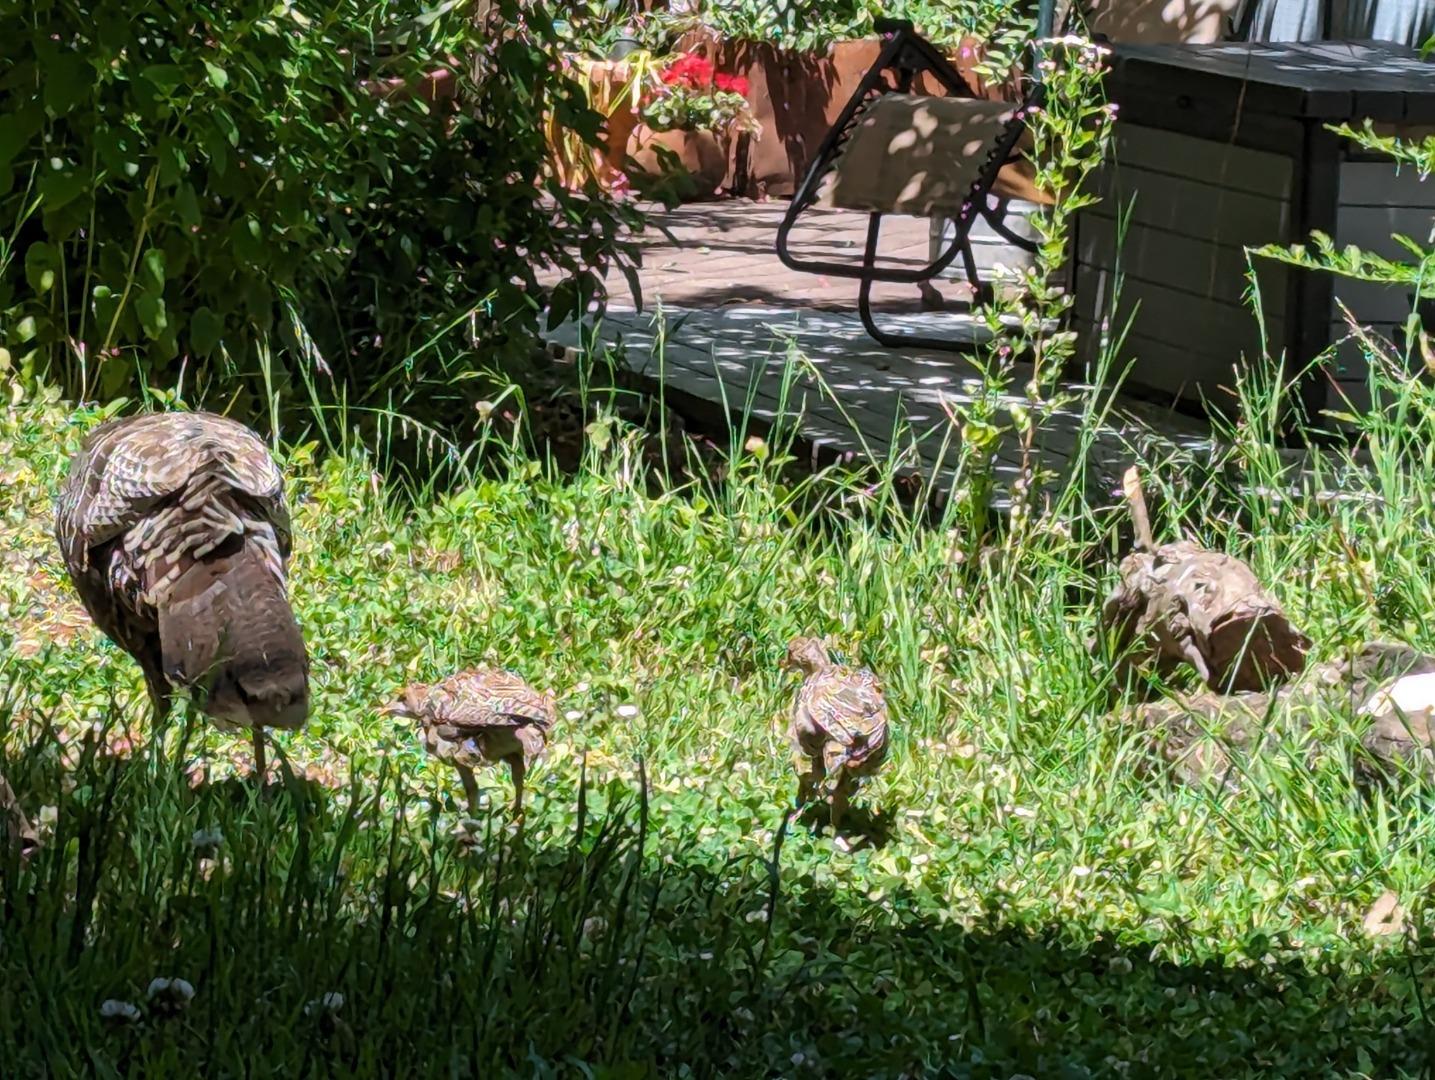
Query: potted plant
point(687, 122)
point(804, 60)
point(614, 89)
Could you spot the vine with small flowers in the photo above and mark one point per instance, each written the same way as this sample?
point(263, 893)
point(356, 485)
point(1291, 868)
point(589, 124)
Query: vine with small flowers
point(1070, 127)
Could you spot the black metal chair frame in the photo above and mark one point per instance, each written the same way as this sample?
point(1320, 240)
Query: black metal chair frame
point(906, 54)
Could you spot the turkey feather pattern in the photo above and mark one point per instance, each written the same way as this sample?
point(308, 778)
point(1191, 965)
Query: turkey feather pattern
point(176, 534)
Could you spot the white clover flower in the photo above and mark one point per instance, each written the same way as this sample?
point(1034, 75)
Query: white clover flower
point(594, 926)
point(175, 994)
point(331, 1002)
point(120, 1012)
point(627, 712)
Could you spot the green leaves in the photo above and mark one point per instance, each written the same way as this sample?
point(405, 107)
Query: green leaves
point(172, 162)
point(60, 182)
point(600, 433)
point(164, 78)
point(42, 263)
point(152, 315)
point(168, 173)
point(186, 204)
point(152, 267)
point(103, 305)
point(1038, 900)
point(149, 304)
point(12, 137)
point(68, 80)
point(205, 328)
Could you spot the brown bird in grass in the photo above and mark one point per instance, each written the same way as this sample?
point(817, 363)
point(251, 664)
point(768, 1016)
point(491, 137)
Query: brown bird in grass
point(176, 534)
point(839, 724)
point(481, 717)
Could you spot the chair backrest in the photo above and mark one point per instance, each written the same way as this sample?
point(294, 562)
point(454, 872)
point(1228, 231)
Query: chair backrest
point(1160, 22)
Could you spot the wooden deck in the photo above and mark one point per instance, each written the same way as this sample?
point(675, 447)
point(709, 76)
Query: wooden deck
point(723, 322)
point(709, 255)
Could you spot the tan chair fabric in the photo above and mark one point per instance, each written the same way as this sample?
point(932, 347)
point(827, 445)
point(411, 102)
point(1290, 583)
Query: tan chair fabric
point(918, 155)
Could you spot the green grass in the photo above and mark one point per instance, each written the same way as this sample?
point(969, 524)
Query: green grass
point(1043, 904)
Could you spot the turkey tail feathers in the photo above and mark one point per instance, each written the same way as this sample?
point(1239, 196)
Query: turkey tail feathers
point(227, 630)
point(176, 534)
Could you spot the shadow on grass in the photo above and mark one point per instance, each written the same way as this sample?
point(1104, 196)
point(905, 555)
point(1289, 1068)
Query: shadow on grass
point(862, 826)
point(347, 932)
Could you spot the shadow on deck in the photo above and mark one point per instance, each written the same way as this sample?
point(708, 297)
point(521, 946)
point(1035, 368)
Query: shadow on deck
point(724, 323)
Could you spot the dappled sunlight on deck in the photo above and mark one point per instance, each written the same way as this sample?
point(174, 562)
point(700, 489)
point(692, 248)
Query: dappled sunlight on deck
point(723, 323)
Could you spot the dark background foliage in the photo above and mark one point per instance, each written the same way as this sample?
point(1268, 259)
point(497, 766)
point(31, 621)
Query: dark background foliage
point(236, 200)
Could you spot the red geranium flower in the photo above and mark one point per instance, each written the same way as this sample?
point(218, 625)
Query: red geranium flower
point(733, 84)
point(694, 72)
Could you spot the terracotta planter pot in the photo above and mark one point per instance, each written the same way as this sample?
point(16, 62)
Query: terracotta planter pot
point(608, 82)
point(436, 86)
point(702, 155)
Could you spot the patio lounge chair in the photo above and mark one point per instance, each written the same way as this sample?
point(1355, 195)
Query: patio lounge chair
point(895, 152)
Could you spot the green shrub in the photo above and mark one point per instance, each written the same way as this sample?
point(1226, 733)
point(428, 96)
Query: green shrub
point(193, 186)
point(803, 25)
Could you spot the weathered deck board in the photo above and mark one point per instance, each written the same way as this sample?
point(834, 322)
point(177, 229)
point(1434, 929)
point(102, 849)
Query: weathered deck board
point(727, 326)
point(847, 393)
point(724, 322)
point(708, 255)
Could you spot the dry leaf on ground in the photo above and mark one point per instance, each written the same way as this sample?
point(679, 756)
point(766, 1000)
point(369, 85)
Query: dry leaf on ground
point(1385, 916)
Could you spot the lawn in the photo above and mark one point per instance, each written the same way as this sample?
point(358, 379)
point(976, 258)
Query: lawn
point(1027, 893)
point(229, 208)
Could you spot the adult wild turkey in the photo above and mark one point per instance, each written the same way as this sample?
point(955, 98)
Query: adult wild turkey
point(481, 717)
point(175, 532)
point(839, 724)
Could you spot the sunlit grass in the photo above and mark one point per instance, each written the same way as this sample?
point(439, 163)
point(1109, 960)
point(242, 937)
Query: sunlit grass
point(1045, 902)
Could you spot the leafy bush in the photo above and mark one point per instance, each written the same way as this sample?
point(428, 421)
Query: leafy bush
point(797, 24)
point(191, 185)
point(805, 25)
